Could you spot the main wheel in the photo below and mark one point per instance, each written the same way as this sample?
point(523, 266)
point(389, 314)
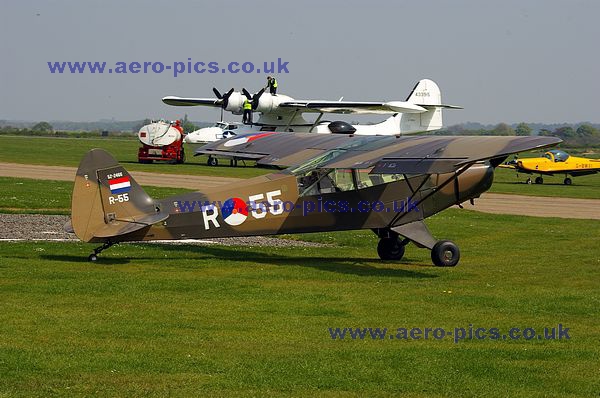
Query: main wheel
point(92, 257)
point(568, 181)
point(390, 248)
point(528, 181)
point(445, 253)
point(539, 180)
point(212, 161)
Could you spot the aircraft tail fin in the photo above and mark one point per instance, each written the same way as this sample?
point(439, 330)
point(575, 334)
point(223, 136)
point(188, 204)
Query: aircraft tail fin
point(107, 202)
point(427, 94)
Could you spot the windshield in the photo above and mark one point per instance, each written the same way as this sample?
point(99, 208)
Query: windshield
point(558, 155)
point(326, 157)
point(317, 161)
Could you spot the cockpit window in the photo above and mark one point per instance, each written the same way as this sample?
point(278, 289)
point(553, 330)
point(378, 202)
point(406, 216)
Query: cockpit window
point(323, 181)
point(366, 179)
point(317, 161)
point(559, 156)
point(316, 182)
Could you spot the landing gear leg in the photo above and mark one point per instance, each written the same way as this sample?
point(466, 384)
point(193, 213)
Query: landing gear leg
point(444, 253)
point(94, 256)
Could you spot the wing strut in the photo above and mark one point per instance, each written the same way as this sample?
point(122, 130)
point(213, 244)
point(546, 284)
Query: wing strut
point(399, 216)
point(316, 122)
point(287, 126)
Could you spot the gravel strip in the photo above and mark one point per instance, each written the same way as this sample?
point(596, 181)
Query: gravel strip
point(48, 227)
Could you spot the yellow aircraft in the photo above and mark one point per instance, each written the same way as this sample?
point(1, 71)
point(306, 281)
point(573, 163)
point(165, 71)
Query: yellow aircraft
point(555, 162)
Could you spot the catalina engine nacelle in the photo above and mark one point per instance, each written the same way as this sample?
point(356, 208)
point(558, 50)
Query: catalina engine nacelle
point(235, 104)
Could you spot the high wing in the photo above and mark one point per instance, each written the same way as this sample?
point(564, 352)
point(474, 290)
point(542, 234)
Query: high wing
point(353, 107)
point(420, 154)
point(432, 155)
point(340, 107)
point(275, 149)
point(179, 101)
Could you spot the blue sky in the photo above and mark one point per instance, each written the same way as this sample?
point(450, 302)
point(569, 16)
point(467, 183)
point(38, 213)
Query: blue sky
point(512, 61)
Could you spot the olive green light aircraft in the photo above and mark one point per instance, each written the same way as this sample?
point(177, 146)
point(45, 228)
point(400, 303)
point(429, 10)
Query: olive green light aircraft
point(389, 185)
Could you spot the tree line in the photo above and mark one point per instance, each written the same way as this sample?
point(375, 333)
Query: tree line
point(582, 135)
point(578, 136)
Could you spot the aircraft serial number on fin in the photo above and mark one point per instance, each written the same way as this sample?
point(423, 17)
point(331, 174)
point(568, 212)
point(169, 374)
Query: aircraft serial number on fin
point(115, 175)
point(121, 198)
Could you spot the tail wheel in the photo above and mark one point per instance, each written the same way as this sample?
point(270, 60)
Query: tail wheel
point(445, 253)
point(390, 248)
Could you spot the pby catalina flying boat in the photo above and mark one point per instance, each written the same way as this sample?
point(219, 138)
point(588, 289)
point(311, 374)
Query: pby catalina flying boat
point(422, 111)
point(389, 185)
point(555, 162)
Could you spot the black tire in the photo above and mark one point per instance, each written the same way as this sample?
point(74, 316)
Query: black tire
point(539, 180)
point(528, 181)
point(212, 161)
point(92, 257)
point(568, 181)
point(445, 253)
point(390, 249)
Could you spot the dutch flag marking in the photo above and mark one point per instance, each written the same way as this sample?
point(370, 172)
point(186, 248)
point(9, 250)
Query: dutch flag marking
point(119, 185)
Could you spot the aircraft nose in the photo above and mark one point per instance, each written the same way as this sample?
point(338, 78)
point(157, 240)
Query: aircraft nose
point(475, 180)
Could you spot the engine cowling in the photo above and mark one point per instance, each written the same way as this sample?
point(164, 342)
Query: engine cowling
point(265, 104)
point(235, 104)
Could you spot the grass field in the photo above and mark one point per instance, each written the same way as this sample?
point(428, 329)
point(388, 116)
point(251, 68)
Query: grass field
point(69, 151)
point(157, 320)
point(40, 150)
point(23, 195)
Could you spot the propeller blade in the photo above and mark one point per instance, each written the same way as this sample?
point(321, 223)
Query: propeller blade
point(247, 94)
point(256, 98)
point(226, 98)
point(217, 93)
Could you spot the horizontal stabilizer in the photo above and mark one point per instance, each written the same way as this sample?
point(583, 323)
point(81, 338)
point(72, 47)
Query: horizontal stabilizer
point(125, 226)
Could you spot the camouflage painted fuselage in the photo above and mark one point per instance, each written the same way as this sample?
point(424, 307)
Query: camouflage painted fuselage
point(343, 183)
